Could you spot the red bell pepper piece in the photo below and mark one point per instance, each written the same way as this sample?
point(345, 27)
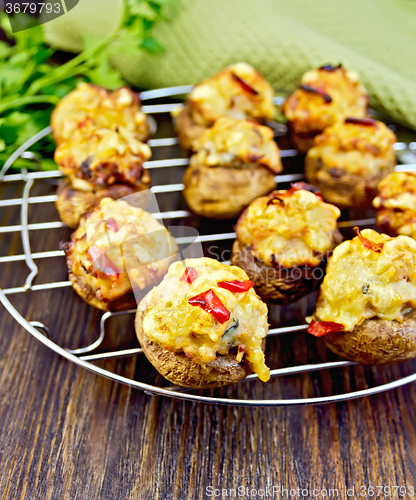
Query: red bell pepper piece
point(321, 328)
point(236, 286)
point(210, 303)
point(189, 275)
point(315, 90)
point(369, 122)
point(112, 225)
point(102, 262)
point(245, 86)
point(371, 245)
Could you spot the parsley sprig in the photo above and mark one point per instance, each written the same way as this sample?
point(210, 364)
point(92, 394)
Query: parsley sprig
point(32, 82)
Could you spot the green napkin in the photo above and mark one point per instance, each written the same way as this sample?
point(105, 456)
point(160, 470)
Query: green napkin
point(283, 39)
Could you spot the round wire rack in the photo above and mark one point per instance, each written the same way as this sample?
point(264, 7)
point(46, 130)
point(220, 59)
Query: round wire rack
point(163, 148)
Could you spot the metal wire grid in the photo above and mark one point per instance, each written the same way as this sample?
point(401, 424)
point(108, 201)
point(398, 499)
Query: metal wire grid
point(85, 356)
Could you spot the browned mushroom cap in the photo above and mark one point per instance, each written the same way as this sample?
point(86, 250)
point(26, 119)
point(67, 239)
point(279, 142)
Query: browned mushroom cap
point(186, 128)
point(377, 341)
point(223, 192)
point(277, 285)
point(343, 189)
point(180, 370)
point(73, 203)
point(349, 159)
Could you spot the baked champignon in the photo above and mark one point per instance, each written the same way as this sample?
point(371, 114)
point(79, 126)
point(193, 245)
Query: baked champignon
point(349, 159)
point(118, 252)
point(234, 162)
point(98, 163)
point(204, 326)
point(93, 106)
point(366, 309)
point(395, 204)
point(237, 91)
point(283, 241)
point(326, 95)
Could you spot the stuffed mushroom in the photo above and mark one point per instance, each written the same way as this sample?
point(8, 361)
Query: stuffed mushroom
point(283, 241)
point(395, 204)
point(94, 107)
point(234, 162)
point(118, 253)
point(238, 91)
point(349, 159)
point(325, 96)
point(366, 309)
point(98, 163)
point(204, 326)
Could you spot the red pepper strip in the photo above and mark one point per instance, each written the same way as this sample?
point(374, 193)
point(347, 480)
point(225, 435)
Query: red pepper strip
point(189, 275)
point(236, 286)
point(315, 90)
point(210, 303)
point(244, 84)
point(361, 121)
point(102, 262)
point(112, 225)
point(297, 186)
point(321, 328)
point(371, 245)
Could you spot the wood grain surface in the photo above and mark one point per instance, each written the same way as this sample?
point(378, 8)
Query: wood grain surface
point(66, 433)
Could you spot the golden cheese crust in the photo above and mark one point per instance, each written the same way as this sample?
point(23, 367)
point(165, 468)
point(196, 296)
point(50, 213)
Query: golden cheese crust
point(238, 91)
point(326, 95)
point(176, 325)
point(309, 112)
point(102, 156)
point(396, 204)
point(234, 163)
point(289, 228)
point(93, 106)
point(117, 248)
point(370, 276)
point(237, 143)
point(349, 159)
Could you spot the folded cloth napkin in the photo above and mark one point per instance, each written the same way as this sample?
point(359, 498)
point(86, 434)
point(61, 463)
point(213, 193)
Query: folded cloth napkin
point(283, 39)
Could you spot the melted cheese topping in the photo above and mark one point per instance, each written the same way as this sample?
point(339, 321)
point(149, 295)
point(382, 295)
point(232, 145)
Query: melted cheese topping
point(289, 229)
point(361, 283)
point(135, 248)
point(238, 91)
point(179, 326)
point(99, 108)
point(363, 150)
point(396, 202)
point(102, 157)
point(234, 143)
point(308, 112)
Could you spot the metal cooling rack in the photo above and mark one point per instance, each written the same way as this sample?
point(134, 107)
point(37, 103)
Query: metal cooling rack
point(85, 356)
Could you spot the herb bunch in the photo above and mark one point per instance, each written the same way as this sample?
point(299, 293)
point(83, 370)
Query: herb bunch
point(32, 81)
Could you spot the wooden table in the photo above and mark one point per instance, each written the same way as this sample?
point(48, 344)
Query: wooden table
point(66, 433)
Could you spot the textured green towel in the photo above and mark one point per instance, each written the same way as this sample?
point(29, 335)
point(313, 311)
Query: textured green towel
point(283, 39)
